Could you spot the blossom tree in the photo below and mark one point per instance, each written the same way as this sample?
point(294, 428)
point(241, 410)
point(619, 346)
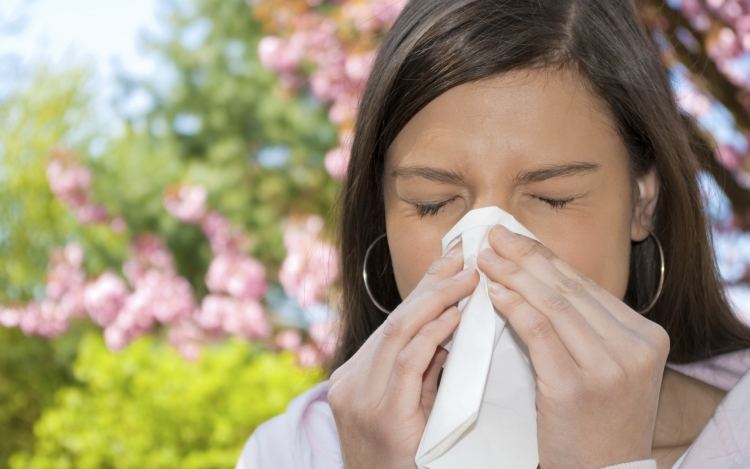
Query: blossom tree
point(327, 49)
point(153, 293)
point(324, 50)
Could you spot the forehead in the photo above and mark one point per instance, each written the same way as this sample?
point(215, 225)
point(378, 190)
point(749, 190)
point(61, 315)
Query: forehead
point(518, 118)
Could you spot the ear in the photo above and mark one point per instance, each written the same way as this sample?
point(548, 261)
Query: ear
point(645, 205)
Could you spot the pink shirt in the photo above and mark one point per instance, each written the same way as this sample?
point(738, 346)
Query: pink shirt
point(305, 436)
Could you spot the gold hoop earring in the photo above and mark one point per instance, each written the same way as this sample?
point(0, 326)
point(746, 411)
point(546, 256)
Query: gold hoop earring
point(364, 276)
point(661, 272)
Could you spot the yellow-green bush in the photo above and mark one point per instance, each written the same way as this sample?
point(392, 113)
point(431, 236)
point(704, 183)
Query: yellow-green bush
point(148, 408)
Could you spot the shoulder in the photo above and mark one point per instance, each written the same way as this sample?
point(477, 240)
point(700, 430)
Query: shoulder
point(722, 371)
point(304, 437)
point(725, 440)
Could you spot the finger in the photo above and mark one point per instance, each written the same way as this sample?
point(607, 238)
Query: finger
point(608, 315)
point(442, 268)
point(617, 309)
point(404, 323)
point(430, 380)
point(404, 390)
point(622, 312)
point(535, 258)
point(581, 340)
point(551, 359)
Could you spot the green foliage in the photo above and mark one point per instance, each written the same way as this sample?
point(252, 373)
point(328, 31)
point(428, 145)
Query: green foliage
point(148, 408)
point(217, 81)
point(51, 111)
point(31, 370)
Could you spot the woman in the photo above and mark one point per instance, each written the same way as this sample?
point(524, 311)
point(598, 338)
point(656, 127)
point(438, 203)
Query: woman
point(560, 113)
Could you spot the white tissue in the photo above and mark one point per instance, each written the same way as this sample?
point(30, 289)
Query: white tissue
point(484, 415)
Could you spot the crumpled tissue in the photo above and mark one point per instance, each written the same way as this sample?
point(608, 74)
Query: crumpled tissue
point(484, 416)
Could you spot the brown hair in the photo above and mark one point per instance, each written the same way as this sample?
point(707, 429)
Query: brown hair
point(438, 44)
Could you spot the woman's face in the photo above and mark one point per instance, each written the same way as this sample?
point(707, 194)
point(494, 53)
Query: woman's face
point(536, 144)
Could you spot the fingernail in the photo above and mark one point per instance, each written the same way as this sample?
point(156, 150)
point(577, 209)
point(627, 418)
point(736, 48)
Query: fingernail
point(502, 233)
point(455, 250)
point(466, 273)
point(447, 313)
point(489, 256)
point(496, 288)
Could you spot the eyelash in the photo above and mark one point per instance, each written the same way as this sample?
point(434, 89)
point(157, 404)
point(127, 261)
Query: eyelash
point(555, 203)
point(432, 209)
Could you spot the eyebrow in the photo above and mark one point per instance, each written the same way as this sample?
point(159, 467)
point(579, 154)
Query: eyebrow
point(525, 177)
point(426, 172)
point(554, 171)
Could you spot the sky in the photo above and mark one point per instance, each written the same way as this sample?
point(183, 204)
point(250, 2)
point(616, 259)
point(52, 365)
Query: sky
point(65, 32)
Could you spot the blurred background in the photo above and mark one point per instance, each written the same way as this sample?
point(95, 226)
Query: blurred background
point(168, 170)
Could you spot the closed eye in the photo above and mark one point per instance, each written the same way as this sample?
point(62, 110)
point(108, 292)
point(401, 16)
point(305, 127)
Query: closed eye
point(431, 209)
point(556, 203)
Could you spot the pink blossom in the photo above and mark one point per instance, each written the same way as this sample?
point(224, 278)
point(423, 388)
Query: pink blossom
point(105, 297)
point(279, 55)
point(172, 297)
point(62, 279)
point(327, 83)
point(318, 34)
point(245, 319)
point(358, 66)
point(373, 15)
point(344, 108)
point(118, 225)
point(70, 181)
point(73, 254)
point(137, 313)
point(213, 310)
point(73, 303)
point(308, 356)
point(66, 279)
point(10, 317)
point(186, 203)
point(187, 337)
point(45, 319)
point(742, 26)
point(288, 339)
point(732, 10)
point(218, 230)
point(136, 317)
point(148, 252)
point(239, 275)
point(728, 157)
point(337, 161)
point(694, 102)
point(724, 44)
point(91, 214)
point(117, 337)
point(325, 334)
point(386, 11)
point(299, 231)
point(249, 321)
point(310, 265)
point(222, 236)
point(69, 184)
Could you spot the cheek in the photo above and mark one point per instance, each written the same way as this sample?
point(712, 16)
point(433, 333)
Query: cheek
point(600, 251)
point(413, 250)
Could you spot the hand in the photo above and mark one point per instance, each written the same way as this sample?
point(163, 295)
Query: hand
point(599, 364)
point(381, 398)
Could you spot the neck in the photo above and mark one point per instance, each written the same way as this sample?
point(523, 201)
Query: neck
point(685, 407)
